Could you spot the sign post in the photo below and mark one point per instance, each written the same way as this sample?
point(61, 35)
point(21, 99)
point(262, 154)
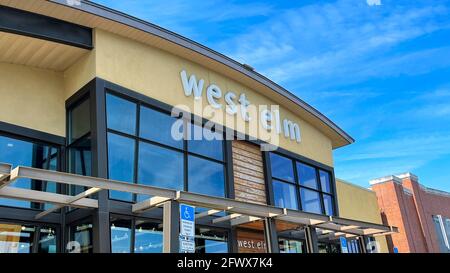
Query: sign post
point(187, 228)
point(344, 245)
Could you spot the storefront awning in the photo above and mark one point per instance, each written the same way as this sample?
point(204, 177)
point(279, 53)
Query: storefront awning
point(238, 212)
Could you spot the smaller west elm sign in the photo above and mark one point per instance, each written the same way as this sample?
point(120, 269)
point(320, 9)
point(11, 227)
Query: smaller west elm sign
point(269, 117)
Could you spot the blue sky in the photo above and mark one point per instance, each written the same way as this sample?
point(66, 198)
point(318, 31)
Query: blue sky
point(381, 72)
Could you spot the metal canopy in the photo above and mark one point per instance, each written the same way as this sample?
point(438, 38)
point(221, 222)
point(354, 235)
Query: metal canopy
point(239, 212)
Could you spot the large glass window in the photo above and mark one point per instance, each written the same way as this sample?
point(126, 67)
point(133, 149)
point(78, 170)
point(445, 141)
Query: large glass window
point(121, 162)
point(81, 238)
point(120, 114)
point(209, 240)
point(203, 141)
point(27, 238)
point(297, 185)
point(285, 195)
point(281, 167)
point(157, 126)
point(136, 235)
point(32, 154)
point(79, 149)
point(310, 201)
point(206, 176)
point(148, 237)
point(160, 167)
point(145, 145)
point(121, 235)
point(79, 120)
point(291, 246)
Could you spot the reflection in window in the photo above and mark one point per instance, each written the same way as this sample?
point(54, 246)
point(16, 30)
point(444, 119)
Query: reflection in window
point(136, 235)
point(281, 167)
point(307, 176)
point(310, 201)
point(160, 160)
point(16, 238)
point(206, 177)
point(160, 167)
point(291, 246)
point(148, 237)
point(325, 181)
point(82, 234)
point(79, 120)
point(313, 196)
point(24, 153)
point(120, 236)
point(121, 114)
point(328, 203)
point(329, 247)
point(157, 126)
point(442, 233)
point(121, 163)
point(210, 241)
point(47, 240)
point(205, 142)
point(285, 195)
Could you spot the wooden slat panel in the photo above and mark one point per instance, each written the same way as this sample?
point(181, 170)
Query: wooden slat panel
point(245, 183)
point(248, 154)
point(247, 160)
point(249, 166)
point(247, 147)
point(248, 178)
point(246, 171)
point(249, 184)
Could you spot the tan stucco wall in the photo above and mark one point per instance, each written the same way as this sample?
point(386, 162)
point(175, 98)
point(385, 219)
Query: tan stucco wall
point(144, 69)
point(32, 98)
point(79, 74)
point(156, 73)
point(359, 204)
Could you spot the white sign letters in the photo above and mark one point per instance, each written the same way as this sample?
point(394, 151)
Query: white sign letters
point(269, 119)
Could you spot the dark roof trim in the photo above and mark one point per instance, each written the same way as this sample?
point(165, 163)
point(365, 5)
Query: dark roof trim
point(44, 27)
point(150, 28)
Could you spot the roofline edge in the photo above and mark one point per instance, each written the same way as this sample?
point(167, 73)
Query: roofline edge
point(120, 17)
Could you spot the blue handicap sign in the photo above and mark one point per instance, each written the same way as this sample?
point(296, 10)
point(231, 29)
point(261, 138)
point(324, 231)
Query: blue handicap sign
point(344, 245)
point(395, 250)
point(187, 212)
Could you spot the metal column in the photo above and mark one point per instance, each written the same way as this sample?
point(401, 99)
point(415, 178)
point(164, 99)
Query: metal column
point(171, 227)
point(312, 242)
point(271, 236)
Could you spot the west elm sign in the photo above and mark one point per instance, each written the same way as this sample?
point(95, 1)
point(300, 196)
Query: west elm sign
point(239, 105)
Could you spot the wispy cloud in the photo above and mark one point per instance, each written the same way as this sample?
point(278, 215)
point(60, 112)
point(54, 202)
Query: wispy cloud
point(188, 17)
point(338, 41)
point(406, 146)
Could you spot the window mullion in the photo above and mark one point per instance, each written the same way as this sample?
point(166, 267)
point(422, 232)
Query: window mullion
point(297, 185)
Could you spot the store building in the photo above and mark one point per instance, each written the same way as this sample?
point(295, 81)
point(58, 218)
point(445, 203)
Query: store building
point(89, 158)
point(421, 214)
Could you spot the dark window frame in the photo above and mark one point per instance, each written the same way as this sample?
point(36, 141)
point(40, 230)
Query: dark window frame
point(34, 137)
point(226, 161)
point(317, 167)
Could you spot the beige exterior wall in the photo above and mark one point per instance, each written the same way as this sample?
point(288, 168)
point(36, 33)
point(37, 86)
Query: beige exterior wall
point(359, 204)
point(32, 98)
point(156, 74)
point(147, 70)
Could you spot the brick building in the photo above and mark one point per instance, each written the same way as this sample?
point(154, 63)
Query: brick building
point(422, 214)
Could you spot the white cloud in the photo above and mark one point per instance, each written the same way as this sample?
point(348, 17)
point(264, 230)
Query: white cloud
point(325, 43)
point(373, 2)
